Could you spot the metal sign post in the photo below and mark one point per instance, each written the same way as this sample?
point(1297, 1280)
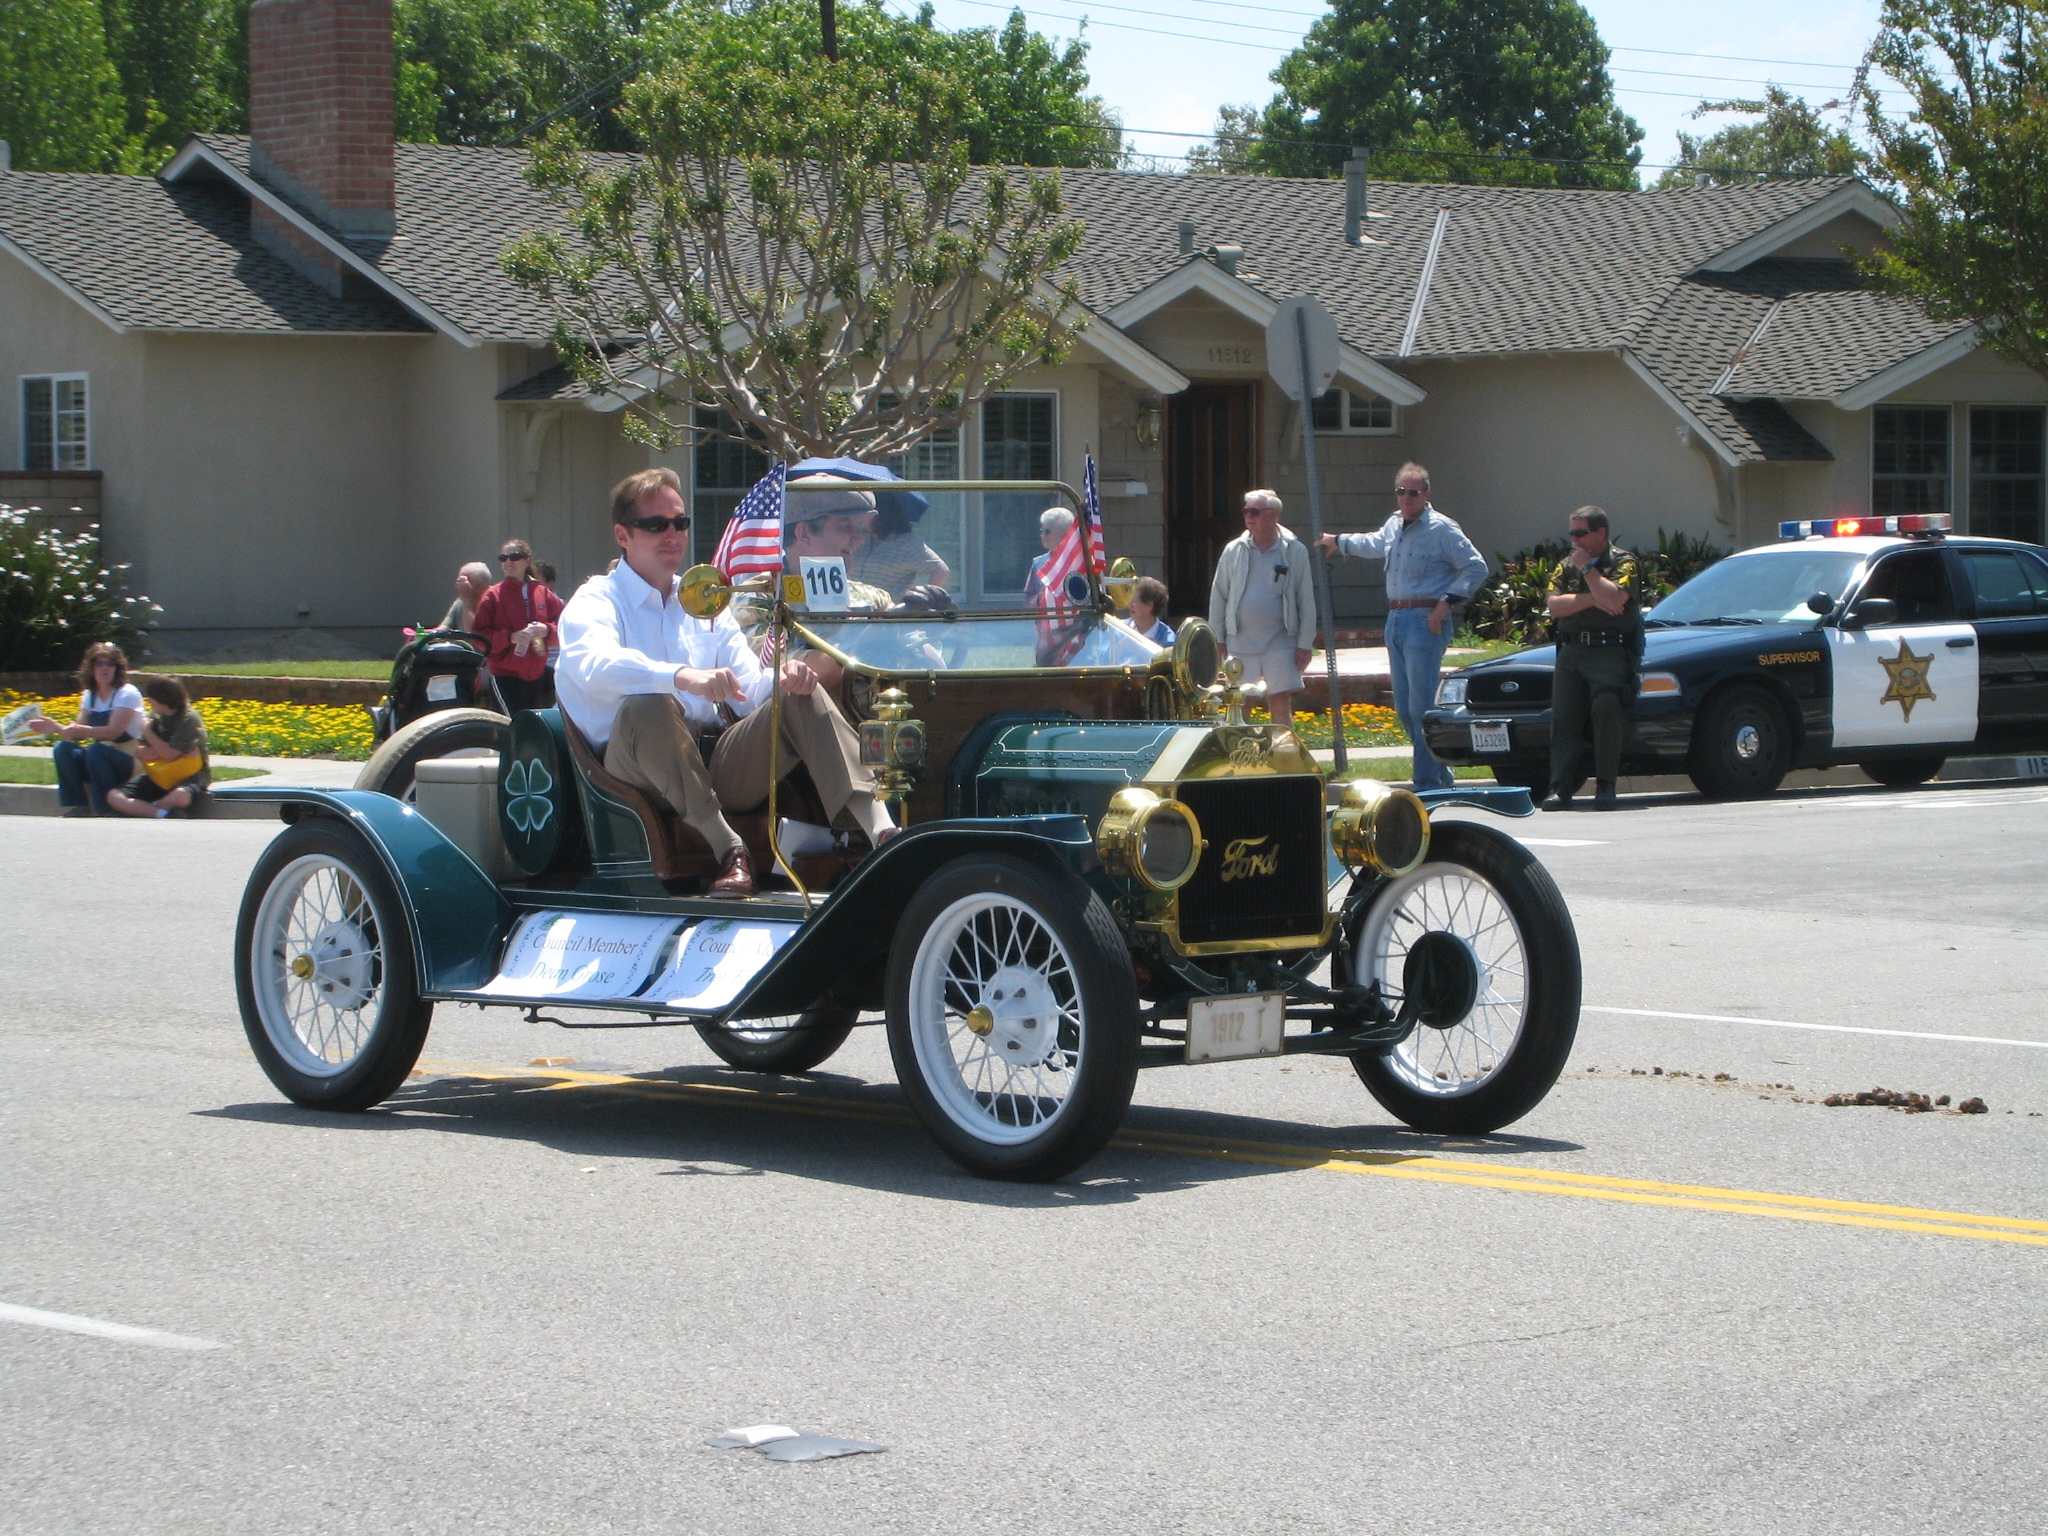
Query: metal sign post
point(1301, 356)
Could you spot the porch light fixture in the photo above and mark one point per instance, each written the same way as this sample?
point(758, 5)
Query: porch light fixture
point(1146, 426)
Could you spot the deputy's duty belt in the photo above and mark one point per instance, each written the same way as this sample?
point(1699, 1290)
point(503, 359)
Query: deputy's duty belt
point(1598, 637)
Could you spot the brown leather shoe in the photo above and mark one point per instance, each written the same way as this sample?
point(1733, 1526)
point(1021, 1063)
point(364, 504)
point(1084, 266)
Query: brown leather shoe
point(735, 875)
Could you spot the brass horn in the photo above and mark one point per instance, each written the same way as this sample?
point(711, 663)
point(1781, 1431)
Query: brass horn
point(1120, 586)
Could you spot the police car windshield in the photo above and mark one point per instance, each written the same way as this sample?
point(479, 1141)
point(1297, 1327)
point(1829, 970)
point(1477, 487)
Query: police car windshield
point(1766, 586)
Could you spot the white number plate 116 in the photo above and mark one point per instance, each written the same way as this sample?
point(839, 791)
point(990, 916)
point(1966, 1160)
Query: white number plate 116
point(1221, 1028)
point(1489, 736)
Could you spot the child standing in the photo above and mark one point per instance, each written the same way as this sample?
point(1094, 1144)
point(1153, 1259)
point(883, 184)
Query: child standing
point(173, 756)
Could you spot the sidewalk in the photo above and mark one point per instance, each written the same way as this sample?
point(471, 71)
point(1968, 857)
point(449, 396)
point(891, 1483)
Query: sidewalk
point(318, 772)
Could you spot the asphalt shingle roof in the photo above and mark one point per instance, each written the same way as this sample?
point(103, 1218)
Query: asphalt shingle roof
point(172, 257)
point(1519, 270)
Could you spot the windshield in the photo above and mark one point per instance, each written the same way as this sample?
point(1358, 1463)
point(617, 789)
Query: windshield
point(987, 550)
point(1760, 588)
point(927, 643)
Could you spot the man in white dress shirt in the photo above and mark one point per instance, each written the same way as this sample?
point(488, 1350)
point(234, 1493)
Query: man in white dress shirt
point(643, 682)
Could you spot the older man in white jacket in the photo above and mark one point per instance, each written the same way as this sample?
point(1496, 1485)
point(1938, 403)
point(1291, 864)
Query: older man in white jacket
point(1262, 605)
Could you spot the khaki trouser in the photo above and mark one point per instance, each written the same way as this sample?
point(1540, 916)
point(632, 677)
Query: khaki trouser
point(1595, 682)
point(654, 748)
point(814, 733)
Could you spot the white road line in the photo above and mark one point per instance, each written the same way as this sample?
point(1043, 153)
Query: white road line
point(100, 1330)
point(1832, 1029)
point(1562, 842)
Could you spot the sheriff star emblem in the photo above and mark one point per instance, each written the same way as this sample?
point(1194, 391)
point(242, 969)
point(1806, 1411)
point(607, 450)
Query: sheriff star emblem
point(1908, 680)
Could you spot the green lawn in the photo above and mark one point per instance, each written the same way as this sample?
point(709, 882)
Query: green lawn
point(1486, 650)
point(380, 670)
point(43, 770)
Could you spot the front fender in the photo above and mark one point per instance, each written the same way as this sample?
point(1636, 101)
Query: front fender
point(457, 916)
point(856, 924)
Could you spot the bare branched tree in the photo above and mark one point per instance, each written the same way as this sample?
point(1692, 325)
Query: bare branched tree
point(808, 250)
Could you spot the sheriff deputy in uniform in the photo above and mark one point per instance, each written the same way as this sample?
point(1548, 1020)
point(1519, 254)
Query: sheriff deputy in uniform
point(1596, 609)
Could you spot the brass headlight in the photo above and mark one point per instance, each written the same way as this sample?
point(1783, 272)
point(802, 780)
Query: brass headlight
point(1379, 827)
point(1153, 841)
point(1196, 659)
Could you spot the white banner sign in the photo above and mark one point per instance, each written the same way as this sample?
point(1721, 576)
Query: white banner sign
point(580, 956)
point(718, 957)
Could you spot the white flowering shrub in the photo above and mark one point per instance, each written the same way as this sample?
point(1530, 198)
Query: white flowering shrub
point(56, 598)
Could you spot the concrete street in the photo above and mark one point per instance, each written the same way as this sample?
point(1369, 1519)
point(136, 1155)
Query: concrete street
point(519, 1298)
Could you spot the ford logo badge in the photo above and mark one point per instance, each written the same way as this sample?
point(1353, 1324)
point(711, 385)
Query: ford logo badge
point(1511, 687)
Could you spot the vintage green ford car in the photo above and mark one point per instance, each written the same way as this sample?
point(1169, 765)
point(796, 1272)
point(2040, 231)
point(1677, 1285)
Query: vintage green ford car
point(1103, 868)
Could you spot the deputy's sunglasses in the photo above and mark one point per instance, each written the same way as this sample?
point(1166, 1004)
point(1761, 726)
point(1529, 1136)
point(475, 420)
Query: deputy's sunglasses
point(680, 522)
point(1579, 533)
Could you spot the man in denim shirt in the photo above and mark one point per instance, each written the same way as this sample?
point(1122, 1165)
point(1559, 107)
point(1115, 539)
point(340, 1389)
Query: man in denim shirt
point(1431, 568)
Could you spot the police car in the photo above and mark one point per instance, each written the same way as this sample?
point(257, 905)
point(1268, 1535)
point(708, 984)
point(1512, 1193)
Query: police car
point(1878, 641)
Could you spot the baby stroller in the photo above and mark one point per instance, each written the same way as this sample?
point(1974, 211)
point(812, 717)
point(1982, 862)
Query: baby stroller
point(436, 669)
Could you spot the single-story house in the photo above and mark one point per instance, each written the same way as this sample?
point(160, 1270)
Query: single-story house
point(300, 390)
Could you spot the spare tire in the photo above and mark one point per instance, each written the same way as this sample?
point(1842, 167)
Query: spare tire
point(446, 733)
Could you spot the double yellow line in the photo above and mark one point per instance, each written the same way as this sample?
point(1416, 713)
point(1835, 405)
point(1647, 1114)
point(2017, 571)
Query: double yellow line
point(1384, 1165)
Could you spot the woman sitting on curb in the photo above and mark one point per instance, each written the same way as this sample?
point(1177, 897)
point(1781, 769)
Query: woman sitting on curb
point(174, 769)
point(90, 760)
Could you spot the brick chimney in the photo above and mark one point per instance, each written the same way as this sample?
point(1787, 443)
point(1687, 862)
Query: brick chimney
point(320, 119)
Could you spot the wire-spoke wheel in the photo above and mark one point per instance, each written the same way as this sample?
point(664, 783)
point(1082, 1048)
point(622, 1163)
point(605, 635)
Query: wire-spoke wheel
point(324, 971)
point(1013, 1017)
point(1478, 946)
point(793, 1042)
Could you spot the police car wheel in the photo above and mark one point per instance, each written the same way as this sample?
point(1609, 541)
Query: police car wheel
point(1478, 941)
point(1903, 772)
point(795, 1043)
point(1741, 746)
point(1013, 1017)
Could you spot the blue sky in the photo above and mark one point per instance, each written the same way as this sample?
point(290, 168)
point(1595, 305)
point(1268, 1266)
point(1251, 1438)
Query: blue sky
point(1666, 57)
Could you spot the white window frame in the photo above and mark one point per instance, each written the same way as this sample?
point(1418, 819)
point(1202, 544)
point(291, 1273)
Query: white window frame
point(1954, 444)
point(1349, 427)
point(971, 522)
point(1963, 445)
point(53, 380)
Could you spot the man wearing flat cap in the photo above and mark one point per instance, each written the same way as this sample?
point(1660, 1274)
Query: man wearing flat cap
point(672, 704)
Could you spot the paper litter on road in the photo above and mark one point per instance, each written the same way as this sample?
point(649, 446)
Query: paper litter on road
point(778, 1442)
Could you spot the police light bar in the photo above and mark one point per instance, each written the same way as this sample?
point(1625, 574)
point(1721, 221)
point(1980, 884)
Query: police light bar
point(1853, 527)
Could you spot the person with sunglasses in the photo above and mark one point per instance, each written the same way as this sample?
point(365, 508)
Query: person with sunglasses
point(671, 704)
point(518, 617)
point(1596, 610)
point(1431, 568)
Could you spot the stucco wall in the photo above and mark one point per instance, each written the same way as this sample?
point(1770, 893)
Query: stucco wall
point(43, 331)
point(273, 474)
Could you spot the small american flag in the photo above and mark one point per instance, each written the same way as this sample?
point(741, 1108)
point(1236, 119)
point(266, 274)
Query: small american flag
point(1057, 586)
point(752, 541)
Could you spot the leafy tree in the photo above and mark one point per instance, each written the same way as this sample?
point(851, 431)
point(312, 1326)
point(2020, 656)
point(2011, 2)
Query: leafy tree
point(1453, 90)
point(805, 245)
point(61, 106)
point(500, 71)
point(1790, 141)
point(1023, 101)
point(1968, 167)
point(168, 54)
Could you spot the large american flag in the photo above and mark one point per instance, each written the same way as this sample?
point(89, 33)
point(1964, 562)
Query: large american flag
point(752, 541)
point(1083, 543)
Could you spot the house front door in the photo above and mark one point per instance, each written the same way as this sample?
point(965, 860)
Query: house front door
point(1212, 459)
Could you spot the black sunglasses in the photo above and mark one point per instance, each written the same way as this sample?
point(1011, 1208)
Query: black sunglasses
point(1579, 533)
point(680, 522)
point(1402, 490)
point(506, 559)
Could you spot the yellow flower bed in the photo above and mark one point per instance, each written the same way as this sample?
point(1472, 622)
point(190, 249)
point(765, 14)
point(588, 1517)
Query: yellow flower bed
point(244, 728)
point(1365, 725)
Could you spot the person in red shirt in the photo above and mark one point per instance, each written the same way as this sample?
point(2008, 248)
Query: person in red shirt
point(518, 617)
